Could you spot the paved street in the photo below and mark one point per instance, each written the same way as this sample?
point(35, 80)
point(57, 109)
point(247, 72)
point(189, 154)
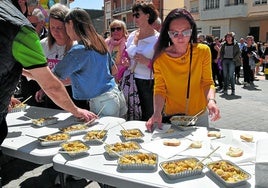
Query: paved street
point(247, 110)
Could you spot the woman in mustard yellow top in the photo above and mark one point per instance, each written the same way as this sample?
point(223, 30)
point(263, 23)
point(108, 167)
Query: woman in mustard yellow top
point(182, 72)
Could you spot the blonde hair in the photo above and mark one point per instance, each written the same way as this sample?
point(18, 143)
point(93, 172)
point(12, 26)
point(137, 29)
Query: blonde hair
point(39, 14)
point(121, 24)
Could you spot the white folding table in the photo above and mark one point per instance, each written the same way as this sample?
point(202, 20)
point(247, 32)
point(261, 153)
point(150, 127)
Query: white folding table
point(100, 167)
point(18, 145)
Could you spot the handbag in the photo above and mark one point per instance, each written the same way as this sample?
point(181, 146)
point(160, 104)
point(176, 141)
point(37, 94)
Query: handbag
point(255, 57)
point(130, 91)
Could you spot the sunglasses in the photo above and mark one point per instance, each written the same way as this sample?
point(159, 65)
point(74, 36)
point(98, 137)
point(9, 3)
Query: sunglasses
point(136, 15)
point(116, 28)
point(184, 33)
point(34, 24)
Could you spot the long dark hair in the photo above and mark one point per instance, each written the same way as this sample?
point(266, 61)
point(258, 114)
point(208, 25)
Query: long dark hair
point(85, 30)
point(164, 40)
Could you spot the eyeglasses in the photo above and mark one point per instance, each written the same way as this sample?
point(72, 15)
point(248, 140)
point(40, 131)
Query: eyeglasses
point(136, 15)
point(184, 33)
point(116, 28)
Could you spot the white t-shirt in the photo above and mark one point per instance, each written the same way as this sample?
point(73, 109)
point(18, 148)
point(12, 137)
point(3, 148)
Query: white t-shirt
point(144, 47)
point(53, 55)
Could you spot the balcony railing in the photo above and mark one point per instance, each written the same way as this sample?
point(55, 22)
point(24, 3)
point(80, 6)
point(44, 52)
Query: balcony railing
point(211, 8)
point(263, 2)
point(234, 4)
point(118, 10)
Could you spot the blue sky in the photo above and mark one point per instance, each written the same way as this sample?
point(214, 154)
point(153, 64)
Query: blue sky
point(87, 4)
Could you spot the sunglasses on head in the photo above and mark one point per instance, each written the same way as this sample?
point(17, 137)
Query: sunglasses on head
point(184, 33)
point(136, 15)
point(116, 28)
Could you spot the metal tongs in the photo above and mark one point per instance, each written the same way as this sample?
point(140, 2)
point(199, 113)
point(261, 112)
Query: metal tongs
point(93, 119)
point(38, 138)
point(201, 162)
point(194, 118)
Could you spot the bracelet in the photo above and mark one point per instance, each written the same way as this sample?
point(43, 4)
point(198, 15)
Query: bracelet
point(212, 99)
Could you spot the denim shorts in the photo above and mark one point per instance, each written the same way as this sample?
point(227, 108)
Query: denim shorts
point(113, 101)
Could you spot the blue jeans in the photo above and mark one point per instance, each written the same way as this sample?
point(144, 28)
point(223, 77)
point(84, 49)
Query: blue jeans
point(228, 66)
point(113, 101)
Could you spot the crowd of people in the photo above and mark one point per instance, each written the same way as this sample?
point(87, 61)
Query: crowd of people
point(158, 70)
point(21, 51)
point(230, 57)
point(129, 71)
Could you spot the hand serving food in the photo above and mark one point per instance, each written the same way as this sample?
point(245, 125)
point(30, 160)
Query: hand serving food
point(13, 102)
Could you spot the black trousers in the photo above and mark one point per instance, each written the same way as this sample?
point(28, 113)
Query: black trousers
point(3, 127)
point(237, 72)
point(145, 92)
point(216, 73)
point(248, 74)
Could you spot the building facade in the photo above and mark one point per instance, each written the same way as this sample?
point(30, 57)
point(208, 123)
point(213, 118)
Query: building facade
point(121, 10)
point(244, 17)
point(216, 17)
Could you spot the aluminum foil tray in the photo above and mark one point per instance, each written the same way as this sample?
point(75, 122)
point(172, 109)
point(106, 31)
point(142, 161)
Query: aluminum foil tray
point(44, 121)
point(75, 148)
point(75, 129)
point(121, 148)
point(183, 120)
point(132, 134)
point(181, 168)
point(18, 108)
point(53, 139)
point(138, 161)
point(95, 137)
point(237, 176)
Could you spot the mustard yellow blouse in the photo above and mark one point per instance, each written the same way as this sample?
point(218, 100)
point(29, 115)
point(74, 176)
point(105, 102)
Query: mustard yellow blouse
point(171, 80)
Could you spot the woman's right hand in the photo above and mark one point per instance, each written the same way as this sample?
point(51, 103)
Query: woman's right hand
point(155, 119)
point(39, 95)
point(125, 62)
point(13, 103)
point(85, 115)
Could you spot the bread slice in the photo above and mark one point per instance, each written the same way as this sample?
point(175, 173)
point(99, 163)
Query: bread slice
point(172, 142)
point(216, 134)
point(246, 137)
point(235, 152)
point(196, 144)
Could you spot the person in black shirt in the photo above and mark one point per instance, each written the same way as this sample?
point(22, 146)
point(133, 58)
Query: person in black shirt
point(248, 62)
point(216, 73)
